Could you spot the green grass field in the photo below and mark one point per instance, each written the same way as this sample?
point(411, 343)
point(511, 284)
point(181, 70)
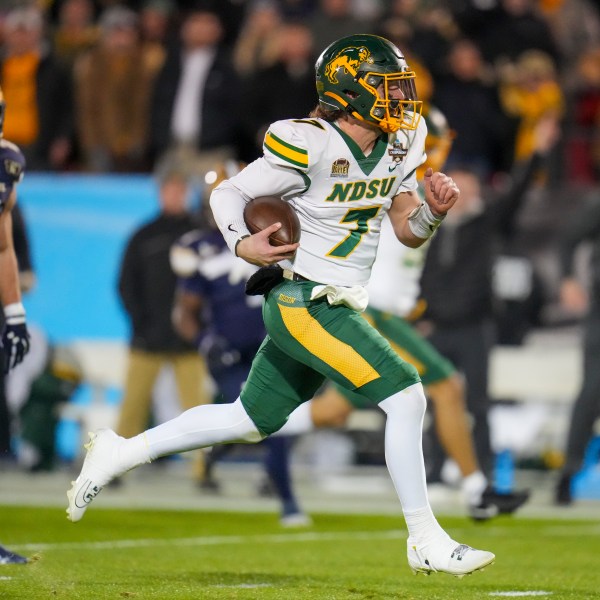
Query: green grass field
point(179, 555)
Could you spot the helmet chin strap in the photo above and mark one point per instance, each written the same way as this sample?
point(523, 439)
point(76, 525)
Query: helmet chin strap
point(388, 127)
point(383, 124)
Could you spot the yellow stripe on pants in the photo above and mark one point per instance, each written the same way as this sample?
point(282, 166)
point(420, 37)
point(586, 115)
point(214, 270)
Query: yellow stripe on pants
point(319, 342)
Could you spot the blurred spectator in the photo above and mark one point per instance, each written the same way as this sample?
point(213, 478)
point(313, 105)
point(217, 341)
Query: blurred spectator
point(38, 91)
point(507, 30)
point(257, 45)
point(297, 9)
point(112, 85)
point(147, 290)
point(155, 25)
point(196, 100)
point(231, 15)
point(472, 108)
point(530, 92)
point(292, 74)
point(579, 300)
point(335, 19)
point(583, 143)
point(456, 281)
point(75, 32)
point(575, 25)
point(427, 30)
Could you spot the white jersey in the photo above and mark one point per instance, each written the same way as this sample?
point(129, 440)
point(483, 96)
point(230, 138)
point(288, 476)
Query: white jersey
point(395, 278)
point(340, 195)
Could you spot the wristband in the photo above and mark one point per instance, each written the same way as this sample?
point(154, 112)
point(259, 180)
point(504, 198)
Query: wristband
point(423, 222)
point(238, 241)
point(14, 313)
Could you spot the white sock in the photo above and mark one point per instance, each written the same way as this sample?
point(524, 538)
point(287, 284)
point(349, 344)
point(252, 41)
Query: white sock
point(423, 528)
point(202, 426)
point(403, 445)
point(404, 457)
point(473, 486)
point(133, 452)
point(300, 421)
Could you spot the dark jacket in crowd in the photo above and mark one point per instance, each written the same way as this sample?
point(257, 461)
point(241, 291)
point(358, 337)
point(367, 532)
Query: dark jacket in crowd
point(262, 107)
point(584, 227)
point(147, 284)
point(220, 110)
point(456, 280)
point(502, 35)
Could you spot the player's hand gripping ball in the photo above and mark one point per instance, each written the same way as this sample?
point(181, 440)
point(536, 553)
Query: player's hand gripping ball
point(266, 210)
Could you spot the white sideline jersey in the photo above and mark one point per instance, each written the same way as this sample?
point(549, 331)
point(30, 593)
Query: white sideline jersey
point(396, 275)
point(340, 195)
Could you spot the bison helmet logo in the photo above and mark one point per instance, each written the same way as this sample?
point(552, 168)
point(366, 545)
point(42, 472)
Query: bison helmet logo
point(348, 58)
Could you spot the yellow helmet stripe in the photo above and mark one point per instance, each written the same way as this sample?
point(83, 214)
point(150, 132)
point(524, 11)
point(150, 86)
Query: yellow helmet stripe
point(319, 342)
point(288, 152)
point(336, 97)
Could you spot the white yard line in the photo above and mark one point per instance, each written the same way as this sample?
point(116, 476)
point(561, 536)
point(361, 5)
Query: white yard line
point(217, 540)
point(521, 594)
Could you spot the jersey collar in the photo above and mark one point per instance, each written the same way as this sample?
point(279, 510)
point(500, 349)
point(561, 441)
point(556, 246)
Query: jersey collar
point(366, 163)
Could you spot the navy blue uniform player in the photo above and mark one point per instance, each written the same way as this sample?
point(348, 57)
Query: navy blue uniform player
point(14, 340)
point(212, 309)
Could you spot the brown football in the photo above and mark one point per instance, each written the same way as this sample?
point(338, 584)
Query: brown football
point(266, 210)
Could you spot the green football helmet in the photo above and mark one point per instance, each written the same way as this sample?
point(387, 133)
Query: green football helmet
point(363, 75)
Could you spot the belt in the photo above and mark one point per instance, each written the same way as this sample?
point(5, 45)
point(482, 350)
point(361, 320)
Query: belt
point(289, 274)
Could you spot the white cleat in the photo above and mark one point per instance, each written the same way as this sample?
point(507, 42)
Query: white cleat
point(100, 466)
point(295, 520)
point(449, 557)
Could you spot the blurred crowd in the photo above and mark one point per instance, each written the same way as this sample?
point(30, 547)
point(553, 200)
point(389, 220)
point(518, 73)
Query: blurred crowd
point(110, 86)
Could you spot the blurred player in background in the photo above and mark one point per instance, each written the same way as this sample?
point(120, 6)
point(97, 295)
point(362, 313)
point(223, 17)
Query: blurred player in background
point(583, 228)
point(213, 312)
point(342, 170)
point(393, 303)
point(15, 338)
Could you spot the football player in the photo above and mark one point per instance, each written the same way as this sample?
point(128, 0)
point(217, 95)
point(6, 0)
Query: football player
point(15, 338)
point(342, 169)
point(393, 304)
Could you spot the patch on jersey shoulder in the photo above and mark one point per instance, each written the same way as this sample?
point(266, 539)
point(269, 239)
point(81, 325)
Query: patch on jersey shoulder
point(398, 152)
point(340, 168)
point(296, 156)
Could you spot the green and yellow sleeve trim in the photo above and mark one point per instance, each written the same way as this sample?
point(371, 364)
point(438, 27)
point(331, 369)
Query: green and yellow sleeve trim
point(288, 152)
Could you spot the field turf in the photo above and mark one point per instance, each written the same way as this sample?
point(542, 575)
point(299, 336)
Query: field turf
point(177, 555)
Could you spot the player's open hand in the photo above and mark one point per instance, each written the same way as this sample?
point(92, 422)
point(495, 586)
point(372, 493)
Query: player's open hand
point(440, 192)
point(257, 250)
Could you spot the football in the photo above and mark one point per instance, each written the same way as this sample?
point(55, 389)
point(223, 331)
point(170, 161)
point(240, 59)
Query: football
point(261, 212)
